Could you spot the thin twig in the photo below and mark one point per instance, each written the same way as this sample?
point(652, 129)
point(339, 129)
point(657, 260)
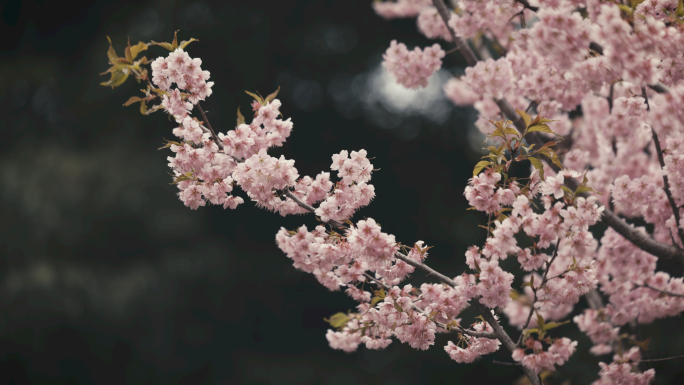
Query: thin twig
point(213, 134)
point(506, 363)
point(661, 359)
point(647, 286)
point(544, 280)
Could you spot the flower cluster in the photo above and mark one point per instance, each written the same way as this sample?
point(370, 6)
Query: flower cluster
point(490, 16)
point(597, 327)
point(599, 72)
point(474, 346)
point(622, 370)
point(400, 8)
point(185, 72)
point(352, 192)
point(431, 25)
point(412, 69)
point(624, 271)
point(491, 78)
point(558, 353)
point(266, 130)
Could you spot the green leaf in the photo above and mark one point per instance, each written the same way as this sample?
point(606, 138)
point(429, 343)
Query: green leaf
point(527, 332)
point(538, 165)
point(159, 91)
point(133, 99)
point(540, 321)
point(240, 118)
point(530, 148)
point(553, 325)
point(567, 191)
point(186, 176)
point(479, 166)
point(583, 189)
point(168, 144)
point(338, 320)
point(398, 308)
point(153, 109)
point(136, 49)
point(174, 43)
point(185, 43)
point(256, 97)
point(127, 52)
point(272, 96)
point(165, 45)
point(525, 189)
point(626, 9)
point(451, 324)
point(511, 131)
point(111, 54)
point(540, 127)
point(379, 296)
point(527, 118)
point(117, 78)
point(549, 153)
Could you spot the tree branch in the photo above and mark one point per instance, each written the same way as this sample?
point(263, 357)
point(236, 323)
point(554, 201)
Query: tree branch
point(661, 359)
point(544, 280)
point(527, 5)
point(211, 130)
point(645, 285)
point(472, 333)
point(666, 182)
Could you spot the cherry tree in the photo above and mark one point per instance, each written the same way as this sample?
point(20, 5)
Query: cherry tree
point(587, 92)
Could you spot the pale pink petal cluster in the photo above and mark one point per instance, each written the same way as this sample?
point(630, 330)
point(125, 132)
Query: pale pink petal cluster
point(557, 353)
point(412, 69)
point(491, 17)
point(492, 78)
point(431, 25)
point(185, 72)
point(475, 347)
point(400, 8)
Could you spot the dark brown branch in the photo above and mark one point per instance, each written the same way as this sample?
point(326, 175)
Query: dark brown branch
point(666, 182)
point(527, 5)
point(641, 239)
point(506, 363)
point(211, 130)
point(462, 47)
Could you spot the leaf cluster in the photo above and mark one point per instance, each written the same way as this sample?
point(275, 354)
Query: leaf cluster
point(513, 142)
point(121, 67)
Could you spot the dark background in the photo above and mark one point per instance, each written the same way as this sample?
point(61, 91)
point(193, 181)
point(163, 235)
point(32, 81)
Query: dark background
point(105, 277)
